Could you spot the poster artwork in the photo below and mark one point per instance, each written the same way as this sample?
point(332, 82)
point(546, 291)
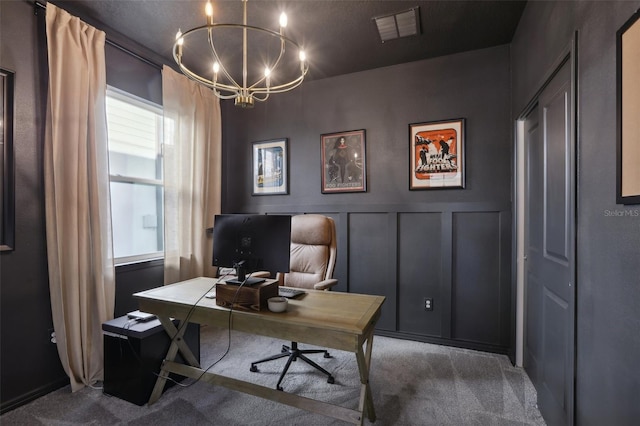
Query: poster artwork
point(343, 162)
point(270, 163)
point(270, 167)
point(436, 153)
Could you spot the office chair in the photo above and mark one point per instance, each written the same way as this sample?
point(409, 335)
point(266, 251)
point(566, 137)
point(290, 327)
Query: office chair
point(313, 259)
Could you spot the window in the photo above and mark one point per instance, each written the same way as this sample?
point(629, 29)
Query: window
point(135, 171)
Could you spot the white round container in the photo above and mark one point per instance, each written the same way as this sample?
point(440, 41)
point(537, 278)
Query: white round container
point(277, 304)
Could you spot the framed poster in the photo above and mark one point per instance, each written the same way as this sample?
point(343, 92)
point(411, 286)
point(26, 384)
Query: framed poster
point(7, 212)
point(628, 111)
point(344, 163)
point(436, 154)
point(270, 167)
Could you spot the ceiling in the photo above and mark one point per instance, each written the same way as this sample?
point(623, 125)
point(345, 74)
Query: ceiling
point(339, 37)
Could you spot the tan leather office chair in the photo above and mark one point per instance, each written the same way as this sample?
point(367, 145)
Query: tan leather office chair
point(313, 259)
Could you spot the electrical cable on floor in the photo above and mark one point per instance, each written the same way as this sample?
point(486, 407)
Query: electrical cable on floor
point(226, 352)
point(183, 323)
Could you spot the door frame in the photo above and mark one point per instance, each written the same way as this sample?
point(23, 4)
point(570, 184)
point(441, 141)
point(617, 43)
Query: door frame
point(568, 54)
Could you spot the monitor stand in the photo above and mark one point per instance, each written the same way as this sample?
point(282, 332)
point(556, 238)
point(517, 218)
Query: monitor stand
point(242, 278)
point(247, 282)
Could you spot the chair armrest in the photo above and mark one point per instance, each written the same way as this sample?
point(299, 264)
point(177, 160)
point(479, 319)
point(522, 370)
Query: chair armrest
point(326, 284)
point(261, 274)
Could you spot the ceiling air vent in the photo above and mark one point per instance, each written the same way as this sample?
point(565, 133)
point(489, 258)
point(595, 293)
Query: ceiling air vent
point(401, 24)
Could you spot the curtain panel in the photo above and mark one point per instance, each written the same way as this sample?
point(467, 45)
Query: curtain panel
point(192, 175)
point(78, 222)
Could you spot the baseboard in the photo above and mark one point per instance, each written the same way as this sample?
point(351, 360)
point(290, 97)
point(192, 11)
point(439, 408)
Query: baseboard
point(21, 400)
point(484, 347)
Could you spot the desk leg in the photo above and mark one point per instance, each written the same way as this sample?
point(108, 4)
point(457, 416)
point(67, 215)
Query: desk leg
point(177, 343)
point(171, 330)
point(364, 363)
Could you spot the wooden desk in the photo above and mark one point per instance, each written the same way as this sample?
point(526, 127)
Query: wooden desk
point(335, 320)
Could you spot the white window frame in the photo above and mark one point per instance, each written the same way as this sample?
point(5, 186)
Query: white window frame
point(123, 96)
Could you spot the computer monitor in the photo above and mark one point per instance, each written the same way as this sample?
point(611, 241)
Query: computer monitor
point(251, 243)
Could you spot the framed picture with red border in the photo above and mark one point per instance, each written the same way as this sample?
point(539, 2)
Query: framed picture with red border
point(436, 154)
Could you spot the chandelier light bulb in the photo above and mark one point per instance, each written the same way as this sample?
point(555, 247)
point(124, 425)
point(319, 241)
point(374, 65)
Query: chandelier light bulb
point(267, 74)
point(216, 67)
point(283, 20)
point(208, 10)
point(179, 42)
point(303, 56)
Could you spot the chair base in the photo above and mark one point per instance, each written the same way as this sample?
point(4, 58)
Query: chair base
point(293, 353)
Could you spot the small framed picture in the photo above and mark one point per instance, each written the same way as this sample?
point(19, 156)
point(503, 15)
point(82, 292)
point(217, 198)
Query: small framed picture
point(7, 170)
point(628, 107)
point(436, 154)
point(344, 163)
point(270, 167)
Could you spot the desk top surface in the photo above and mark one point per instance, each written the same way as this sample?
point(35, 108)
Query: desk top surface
point(326, 311)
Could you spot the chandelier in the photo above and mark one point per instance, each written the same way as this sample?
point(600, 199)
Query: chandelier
point(278, 63)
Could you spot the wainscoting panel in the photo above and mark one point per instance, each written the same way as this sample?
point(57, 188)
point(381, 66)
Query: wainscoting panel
point(476, 295)
point(372, 255)
point(420, 258)
point(457, 254)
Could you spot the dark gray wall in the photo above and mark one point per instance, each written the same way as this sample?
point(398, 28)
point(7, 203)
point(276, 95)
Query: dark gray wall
point(380, 229)
point(451, 245)
point(29, 362)
point(134, 278)
point(608, 246)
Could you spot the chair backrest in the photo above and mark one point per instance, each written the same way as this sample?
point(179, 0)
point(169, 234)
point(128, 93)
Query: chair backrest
point(313, 250)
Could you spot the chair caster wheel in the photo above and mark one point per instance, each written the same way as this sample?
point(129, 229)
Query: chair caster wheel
point(253, 369)
point(327, 355)
point(280, 388)
point(331, 380)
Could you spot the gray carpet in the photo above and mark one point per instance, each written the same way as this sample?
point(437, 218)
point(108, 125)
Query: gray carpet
point(413, 384)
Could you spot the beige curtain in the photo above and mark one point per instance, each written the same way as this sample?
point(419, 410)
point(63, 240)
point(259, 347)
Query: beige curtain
point(80, 255)
point(192, 174)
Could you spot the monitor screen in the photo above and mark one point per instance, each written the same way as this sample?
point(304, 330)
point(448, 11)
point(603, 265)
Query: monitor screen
point(251, 243)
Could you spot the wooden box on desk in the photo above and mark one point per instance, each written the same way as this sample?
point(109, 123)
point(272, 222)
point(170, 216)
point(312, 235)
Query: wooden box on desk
point(247, 298)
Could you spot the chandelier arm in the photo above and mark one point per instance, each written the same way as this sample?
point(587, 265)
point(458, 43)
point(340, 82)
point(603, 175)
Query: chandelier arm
point(209, 28)
point(215, 86)
point(283, 43)
point(197, 78)
point(283, 87)
point(221, 96)
point(266, 96)
point(193, 76)
point(279, 89)
point(217, 58)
